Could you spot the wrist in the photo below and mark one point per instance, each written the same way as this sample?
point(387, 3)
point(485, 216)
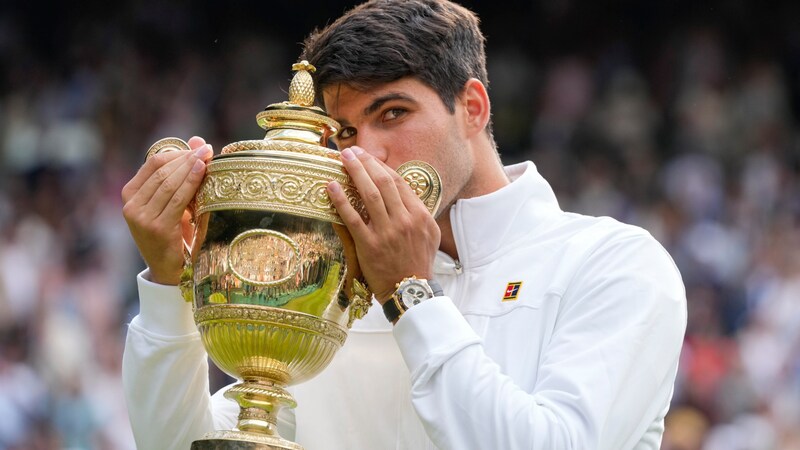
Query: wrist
point(383, 297)
point(158, 277)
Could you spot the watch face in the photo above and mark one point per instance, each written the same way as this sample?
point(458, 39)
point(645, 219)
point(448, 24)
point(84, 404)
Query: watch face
point(414, 292)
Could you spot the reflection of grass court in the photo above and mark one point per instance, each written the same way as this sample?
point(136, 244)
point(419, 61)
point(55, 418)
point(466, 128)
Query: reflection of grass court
point(311, 299)
point(217, 298)
point(318, 299)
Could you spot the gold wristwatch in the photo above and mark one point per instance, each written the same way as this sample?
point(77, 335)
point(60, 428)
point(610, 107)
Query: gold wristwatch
point(410, 292)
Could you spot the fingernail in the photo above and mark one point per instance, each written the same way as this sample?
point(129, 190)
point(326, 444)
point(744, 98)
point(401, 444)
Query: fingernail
point(357, 150)
point(334, 186)
point(198, 166)
point(202, 151)
point(348, 154)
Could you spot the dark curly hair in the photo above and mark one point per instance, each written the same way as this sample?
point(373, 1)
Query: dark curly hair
point(380, 41)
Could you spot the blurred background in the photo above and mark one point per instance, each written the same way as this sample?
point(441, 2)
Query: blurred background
point(679, 116)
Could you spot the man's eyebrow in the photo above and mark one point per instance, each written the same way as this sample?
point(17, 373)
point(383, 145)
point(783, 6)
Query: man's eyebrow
point(378, 102)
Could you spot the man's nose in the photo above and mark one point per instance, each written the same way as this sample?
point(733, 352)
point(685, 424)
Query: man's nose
point(372, 144)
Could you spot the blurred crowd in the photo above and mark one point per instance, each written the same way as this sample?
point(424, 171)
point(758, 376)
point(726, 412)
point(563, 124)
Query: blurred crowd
point(700, 146)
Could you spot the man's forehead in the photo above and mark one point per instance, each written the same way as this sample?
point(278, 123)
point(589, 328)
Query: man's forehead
point(341, 97)
point(340, 94)
point(331, 95)
point(344, 99)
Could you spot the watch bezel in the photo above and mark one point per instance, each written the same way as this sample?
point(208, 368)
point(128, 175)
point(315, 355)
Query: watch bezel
point(406, 292)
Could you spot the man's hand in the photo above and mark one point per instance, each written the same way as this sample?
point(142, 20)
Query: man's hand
point(155, 202)
point(401, 237)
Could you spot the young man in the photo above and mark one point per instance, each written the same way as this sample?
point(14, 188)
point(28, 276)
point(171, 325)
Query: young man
point(553, 331)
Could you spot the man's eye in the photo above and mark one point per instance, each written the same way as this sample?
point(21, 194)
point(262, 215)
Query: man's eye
point(346, 133)
point(394, 113)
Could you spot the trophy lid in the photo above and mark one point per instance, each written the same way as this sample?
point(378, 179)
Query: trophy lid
point(297, 119)
point(294, 125)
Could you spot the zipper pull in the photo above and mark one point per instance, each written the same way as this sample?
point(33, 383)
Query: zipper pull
point(458, 267)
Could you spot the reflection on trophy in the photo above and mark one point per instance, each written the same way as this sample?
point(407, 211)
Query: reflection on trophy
point(272, 290)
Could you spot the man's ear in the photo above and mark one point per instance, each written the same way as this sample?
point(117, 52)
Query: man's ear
point(475, 101)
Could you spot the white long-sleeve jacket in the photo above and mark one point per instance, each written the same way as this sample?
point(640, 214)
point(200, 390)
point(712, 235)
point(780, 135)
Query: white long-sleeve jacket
point(584, 357)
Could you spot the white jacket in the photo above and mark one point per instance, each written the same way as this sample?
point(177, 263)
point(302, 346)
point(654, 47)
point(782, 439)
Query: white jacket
point(584, 358)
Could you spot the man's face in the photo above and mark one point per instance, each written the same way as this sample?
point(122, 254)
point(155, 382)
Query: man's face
point(402, 121)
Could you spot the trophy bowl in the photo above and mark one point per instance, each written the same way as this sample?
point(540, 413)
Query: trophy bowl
point(272, 290)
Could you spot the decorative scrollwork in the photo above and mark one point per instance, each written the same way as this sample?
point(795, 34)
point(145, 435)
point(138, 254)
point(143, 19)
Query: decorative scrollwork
point(272, 182)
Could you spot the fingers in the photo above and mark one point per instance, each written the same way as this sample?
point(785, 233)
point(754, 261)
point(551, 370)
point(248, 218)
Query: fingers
point(351, 218)
point(410, 199)
point(376, 184)
point(167, 183)
point(196, 142)
point(146, 171)
point(156, 162)
point(162, 184)
point(369, 192)
point(187, 179)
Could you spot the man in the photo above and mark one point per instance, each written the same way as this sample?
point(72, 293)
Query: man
point(553, 330)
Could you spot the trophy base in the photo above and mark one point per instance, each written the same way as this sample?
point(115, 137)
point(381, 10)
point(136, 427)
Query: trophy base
point(242, 440)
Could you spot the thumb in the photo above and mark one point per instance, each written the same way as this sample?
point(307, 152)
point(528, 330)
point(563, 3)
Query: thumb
point(187, 229)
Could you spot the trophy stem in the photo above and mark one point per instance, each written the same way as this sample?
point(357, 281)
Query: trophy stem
point(260, 401)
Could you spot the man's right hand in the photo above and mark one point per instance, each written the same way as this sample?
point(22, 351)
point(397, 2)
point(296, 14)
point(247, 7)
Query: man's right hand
point(155, 202)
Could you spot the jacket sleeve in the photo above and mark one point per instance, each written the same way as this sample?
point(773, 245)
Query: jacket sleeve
point(165, 374)
point(604, 377)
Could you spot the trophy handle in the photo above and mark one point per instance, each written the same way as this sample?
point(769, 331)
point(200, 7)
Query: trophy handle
point(425, 181)
point(168, 144)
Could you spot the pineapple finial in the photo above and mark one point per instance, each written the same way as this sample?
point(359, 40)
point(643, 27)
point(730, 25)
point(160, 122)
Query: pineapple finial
point(301, 89)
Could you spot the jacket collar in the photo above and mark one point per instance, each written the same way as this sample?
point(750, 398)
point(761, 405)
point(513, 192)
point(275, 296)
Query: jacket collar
point(486, 227)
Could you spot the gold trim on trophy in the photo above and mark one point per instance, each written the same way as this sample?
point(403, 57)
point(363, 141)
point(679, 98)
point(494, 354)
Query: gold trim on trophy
point(276, 180)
